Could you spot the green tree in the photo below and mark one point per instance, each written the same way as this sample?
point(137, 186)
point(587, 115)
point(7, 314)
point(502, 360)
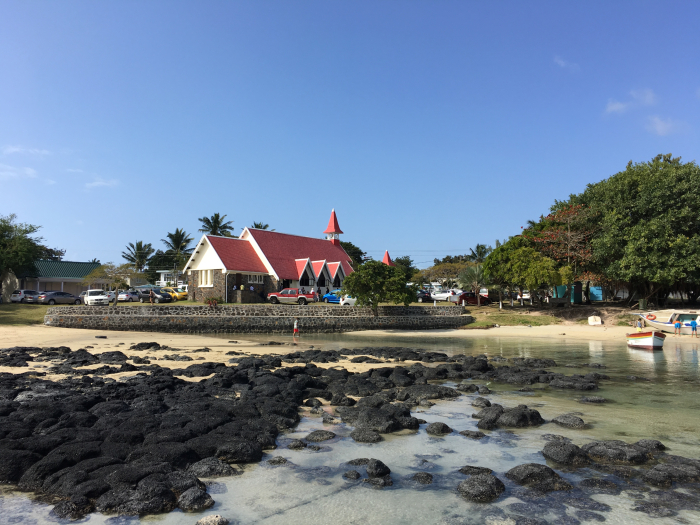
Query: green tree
point(216, 225)
point(261, 226)
point(20, 249)
point(160, 260)
point(405, 263)
point(479, 253)
point(178, 247)
point(138, 254)
point(476, 278)
point(357, 256)
point(534, 270)
point(375, 282)
point(648, 225)
point(498, 265)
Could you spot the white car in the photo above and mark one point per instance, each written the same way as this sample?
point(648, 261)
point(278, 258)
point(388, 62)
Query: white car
point(128, 295)
point(346, 300)
point(525, 295)
point(443, 296)
point(97, 298)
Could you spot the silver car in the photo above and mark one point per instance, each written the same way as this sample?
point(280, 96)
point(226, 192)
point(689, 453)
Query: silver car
point(128, 296)
point(57, 298)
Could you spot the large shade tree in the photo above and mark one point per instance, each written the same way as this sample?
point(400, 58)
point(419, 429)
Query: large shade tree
point(20, 248)
point(648, 225)
point(216, 225)
point(137, 254)
point(375, 282)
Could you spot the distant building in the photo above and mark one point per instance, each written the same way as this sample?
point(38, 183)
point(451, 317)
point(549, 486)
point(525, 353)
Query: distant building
point(247, 268)
point(63, 276)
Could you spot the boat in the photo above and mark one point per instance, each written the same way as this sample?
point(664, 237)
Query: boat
point(664, 320)
point(650, 339)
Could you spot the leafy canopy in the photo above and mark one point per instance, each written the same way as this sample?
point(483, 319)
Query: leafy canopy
point(20, 249)
point(357, 256)
point(375, 282)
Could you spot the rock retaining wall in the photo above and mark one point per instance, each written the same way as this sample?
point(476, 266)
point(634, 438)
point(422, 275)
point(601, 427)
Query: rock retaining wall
point(254, 318)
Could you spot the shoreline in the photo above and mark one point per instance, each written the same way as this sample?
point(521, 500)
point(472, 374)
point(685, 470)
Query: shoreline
point(42, 335)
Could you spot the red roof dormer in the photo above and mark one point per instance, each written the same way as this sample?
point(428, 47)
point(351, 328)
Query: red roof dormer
point(333, 224)
point(387, 259)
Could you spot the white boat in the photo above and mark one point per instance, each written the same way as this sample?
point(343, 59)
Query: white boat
point(650, 339)
point(665, 319)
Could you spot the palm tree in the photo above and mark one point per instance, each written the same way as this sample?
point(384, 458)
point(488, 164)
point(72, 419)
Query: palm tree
point(479, 253)
point(475, 277)
point(215, 225)
point(261, 226)
point(178, 246)
point(138, 254)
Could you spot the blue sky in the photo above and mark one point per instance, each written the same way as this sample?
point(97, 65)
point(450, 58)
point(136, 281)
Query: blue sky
point(428, 126)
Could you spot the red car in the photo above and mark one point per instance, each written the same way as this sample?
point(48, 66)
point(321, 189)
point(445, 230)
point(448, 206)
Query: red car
point(466, 298)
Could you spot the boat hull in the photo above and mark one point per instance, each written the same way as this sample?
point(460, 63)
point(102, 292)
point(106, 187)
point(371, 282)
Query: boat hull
point(649, 340)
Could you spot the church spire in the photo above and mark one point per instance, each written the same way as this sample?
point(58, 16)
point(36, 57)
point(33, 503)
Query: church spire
point(387, 259)
point(333, 231)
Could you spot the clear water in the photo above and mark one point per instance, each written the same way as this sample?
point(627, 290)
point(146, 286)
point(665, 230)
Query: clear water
point(311, 490)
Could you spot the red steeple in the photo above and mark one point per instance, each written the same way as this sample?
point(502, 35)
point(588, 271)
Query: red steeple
point(387, 259)
point(333, 231)
point(333, 224)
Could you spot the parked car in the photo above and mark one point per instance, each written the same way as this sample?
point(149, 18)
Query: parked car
point(423, 296)
point(525, 295)
point(346, 300)
point(470, 298)
point(291, 295)
point(57, 298)
point(332, 297)
point(96, 297)
point(444, 295)
point(178, 294)
point(20, 296)
point(160, 295)
point(128, 296)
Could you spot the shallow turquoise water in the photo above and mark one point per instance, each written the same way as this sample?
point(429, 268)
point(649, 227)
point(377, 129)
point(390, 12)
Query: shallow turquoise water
point(312, 491)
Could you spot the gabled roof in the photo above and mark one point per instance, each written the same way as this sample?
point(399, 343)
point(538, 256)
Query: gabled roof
point(236, 254)
point(62, 269)
point(281, 250)
point(387, 259)
point(333, 224)
point(301, 266)
point(318, 267)
point(333, 269)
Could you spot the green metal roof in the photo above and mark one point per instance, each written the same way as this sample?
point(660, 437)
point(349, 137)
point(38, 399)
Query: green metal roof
point(64, 269)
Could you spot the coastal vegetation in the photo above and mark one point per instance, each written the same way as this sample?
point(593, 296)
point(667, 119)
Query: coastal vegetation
point(637, 230)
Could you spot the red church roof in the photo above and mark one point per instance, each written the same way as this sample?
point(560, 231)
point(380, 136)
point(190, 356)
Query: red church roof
point(333, 268)
point(237, 254)
point(387, 259)
point(281, 250)
point(333, 224)
point(301, 266)
point(318, 267)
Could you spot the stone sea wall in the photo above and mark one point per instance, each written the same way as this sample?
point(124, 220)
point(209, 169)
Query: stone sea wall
point(255, 318)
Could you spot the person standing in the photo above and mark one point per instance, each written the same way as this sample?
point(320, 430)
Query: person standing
point(151, 296)
point(639, 325)
point(296, 327)
point(677, 327)
point(693, 328)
